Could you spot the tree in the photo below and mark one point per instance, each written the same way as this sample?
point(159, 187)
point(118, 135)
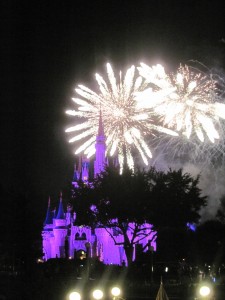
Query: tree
point(210, 243)
point(133, 200)
point(116, 201)
point(176, 198)
point(176, 201)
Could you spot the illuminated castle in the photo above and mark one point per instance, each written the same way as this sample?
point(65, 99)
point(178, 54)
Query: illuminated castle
point(61, 236)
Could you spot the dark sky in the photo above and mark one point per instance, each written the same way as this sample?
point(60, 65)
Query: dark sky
point(48, 47)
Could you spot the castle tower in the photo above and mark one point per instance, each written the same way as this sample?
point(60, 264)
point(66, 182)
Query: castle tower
point(100, 146)
point(47, 233)
point(82, 171)
point(85, 163)
point(76, 176)
point(60, 232)
point(49, 215)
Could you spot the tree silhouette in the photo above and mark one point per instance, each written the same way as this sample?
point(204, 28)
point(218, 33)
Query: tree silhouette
point(210, 243)
point(176, 202)
point(140, 198)
point(176, 199)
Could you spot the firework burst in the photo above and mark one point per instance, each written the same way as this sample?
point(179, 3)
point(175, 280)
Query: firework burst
point(126, 123)
point(187, 101)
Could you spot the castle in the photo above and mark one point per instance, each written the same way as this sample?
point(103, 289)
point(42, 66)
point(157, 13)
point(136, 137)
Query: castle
point(62, 238)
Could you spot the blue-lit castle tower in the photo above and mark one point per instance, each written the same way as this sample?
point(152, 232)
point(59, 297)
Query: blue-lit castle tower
point(63, 239)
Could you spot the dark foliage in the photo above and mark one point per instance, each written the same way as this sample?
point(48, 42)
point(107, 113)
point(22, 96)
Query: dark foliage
point(168, 200)
point(209, 243)
point(176, 199)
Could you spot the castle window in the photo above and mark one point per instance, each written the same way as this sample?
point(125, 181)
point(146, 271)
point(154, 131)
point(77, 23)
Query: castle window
point(81, 237)
point(116, 231)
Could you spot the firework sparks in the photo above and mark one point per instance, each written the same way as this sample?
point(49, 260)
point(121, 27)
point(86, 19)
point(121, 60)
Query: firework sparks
point(186, 101)
point(126, 123)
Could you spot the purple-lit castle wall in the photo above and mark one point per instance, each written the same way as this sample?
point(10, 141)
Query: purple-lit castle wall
point(100, 243)
point(62, 238)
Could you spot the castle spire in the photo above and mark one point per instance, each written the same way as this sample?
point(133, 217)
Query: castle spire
point(100, 126)
point(85, 168)
point(60, 214)
point(100, 146)
point(76, 175)
point(48, 219)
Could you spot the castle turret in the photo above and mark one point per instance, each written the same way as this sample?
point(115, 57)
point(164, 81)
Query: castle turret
point(60, 232)
point(82, 171)
point(69, 214)
point(60, 214)
point(85, 163)
point(76, 176)
point(100, 146)
point(49, 215)
point(47, 233)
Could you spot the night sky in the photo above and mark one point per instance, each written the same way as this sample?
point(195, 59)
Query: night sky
point(48, 47)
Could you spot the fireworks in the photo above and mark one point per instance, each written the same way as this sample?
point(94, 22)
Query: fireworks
point(145, 111)
point(187, 101)
point(126, 122)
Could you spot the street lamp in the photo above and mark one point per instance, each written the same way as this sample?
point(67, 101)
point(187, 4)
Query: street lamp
point(97, 294)
point(115, 291)
point(205, 291)
point(74, 296)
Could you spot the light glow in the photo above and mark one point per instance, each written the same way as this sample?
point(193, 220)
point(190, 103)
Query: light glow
point(204, 291)
point(97, 294)
point(74, 296)
point(115, 291)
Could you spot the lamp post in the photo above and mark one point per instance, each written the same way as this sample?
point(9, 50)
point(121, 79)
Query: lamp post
point(74, 296)
point(205, 292)
point(115, 291)
point(97, 294)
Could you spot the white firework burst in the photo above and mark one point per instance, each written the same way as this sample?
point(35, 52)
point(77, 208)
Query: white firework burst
point(126, 123)
point(187, 101)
